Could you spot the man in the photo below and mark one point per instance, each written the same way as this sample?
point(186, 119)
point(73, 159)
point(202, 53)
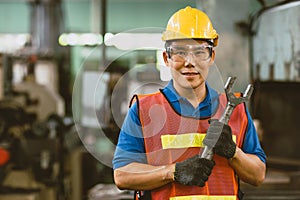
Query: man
point(162, 136)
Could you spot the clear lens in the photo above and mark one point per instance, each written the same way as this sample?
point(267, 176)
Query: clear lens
point(181, 53)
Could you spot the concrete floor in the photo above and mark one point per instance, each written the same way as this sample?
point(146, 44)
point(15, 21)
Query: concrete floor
point(278, 185)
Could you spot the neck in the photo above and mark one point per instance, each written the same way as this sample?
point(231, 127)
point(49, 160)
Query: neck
point(194, 95)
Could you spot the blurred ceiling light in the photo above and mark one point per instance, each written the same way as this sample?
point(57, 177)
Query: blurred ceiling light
point(12, 42)
point(122, 41)
point(73, 39)
point(62, 40)
point(80, 39)
point(131, 41)
point(91, 39)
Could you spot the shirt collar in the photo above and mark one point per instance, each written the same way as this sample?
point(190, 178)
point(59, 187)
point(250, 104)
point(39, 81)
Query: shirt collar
point(173, 96)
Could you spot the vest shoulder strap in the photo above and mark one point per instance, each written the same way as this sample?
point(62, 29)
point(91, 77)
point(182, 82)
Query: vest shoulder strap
point(138, 97)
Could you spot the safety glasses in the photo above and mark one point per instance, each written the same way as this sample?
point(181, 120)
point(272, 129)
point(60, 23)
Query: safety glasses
point(183, 53)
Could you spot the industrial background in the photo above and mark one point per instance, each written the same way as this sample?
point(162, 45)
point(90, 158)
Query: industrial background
point(69, 67)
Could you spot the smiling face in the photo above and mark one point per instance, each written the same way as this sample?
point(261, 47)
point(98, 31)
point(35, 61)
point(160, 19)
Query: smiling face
point(189, 67)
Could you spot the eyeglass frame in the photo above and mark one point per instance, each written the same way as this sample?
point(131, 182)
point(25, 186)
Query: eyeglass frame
point(169, 49)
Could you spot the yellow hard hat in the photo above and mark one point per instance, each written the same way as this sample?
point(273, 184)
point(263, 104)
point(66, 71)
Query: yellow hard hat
point(190, 23)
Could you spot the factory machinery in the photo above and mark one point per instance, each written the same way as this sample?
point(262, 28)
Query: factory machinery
point(41, 153)
point(37, 132)
point(275, 64)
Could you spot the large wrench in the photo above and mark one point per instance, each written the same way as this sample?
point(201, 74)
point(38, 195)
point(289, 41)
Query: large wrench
point(233, 101)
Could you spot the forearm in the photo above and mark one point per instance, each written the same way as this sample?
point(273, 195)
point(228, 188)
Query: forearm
point(248, 167)
point(137, 176)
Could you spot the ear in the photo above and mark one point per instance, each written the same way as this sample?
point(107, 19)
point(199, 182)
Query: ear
point(166, 60)
point(212, 59)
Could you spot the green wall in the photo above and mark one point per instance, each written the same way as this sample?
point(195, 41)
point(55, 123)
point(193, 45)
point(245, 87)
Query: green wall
point(77, 16)
point(121, 15)
point(125, 15)
point(14, 18)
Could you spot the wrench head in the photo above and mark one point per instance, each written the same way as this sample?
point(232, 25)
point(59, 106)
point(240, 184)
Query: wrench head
point(231, 98)
point(229, 83)
point(248, 92)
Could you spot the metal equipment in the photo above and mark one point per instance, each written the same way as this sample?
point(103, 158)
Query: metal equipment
point(233, 101)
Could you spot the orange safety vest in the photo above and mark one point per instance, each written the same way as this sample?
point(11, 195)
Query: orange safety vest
point(170, 138)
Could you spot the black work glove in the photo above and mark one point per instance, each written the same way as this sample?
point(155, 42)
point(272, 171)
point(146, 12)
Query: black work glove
point(193, 171)
point(223, 145)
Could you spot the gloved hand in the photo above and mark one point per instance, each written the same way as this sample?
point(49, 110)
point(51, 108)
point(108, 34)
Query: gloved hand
point(224, 145)
point(193, 171)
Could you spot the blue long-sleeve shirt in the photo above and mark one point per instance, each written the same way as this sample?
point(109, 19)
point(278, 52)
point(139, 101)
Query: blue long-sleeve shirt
point(130, 147)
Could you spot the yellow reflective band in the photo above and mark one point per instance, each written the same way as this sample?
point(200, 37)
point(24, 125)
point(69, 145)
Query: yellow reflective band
point(184, 140)
point(204, 197)
point(234, 138)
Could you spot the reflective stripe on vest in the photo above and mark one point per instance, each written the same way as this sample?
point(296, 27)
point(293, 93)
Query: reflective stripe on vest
point(184, 140)
point(171, 138)
point(204, 197)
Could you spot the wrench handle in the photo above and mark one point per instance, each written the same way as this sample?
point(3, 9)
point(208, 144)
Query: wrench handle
point(232, 103)
point(207, 153)
point(227, 113)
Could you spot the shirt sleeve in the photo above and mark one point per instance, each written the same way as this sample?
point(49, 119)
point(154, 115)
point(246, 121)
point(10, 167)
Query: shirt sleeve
point(130, 147)
point(251, 143)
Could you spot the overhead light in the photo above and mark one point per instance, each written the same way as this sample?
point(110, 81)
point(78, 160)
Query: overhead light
point(132, 41)
point(62, 40)
point(122, 41)
point(13, 42)
point(90, 39)
point(80, 39)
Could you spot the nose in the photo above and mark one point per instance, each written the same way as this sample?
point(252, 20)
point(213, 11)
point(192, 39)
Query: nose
point(189, 59)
